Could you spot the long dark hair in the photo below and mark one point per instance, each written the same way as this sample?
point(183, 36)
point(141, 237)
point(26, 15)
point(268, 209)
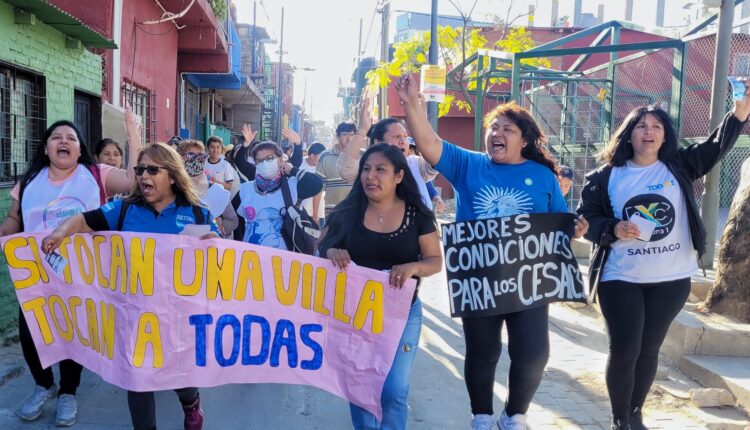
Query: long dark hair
point(536, 141)
point(620, 148)
point(378, 130)
point(41, 159)
point(351, 210)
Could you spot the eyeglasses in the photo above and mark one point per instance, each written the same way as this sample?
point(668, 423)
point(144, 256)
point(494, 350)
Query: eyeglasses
point(269, 158)
point(151, 170)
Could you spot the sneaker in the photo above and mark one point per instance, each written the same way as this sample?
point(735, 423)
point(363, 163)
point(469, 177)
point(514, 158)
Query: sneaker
point(31, 408)
point(482, 422)
point(194, 416)
point(516, 422)
point(67, 407)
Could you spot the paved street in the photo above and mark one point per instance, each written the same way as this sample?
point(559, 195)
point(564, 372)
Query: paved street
point(438, 397)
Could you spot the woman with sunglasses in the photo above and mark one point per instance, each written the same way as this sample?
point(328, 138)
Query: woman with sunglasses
point(194, 155)
point(260, 201)
point(162, 201)
point(63, 179)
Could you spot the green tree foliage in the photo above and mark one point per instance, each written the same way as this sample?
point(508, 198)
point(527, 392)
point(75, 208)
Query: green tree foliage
point(219, 7)
point(455, 46)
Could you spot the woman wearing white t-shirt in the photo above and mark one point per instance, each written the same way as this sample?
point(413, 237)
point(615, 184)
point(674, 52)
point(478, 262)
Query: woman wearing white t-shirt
point(260, 201)
point(63, 180)
point(647, 235)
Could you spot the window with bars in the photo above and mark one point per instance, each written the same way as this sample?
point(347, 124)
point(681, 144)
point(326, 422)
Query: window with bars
point(143, 103)
point(23, 116)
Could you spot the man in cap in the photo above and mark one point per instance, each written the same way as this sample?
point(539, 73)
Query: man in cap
point(565, 178)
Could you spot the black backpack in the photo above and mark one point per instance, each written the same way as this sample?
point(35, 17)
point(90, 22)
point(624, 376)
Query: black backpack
point(299, 230)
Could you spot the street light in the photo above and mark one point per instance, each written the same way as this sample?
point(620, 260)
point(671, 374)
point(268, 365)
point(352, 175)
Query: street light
point(304, 92)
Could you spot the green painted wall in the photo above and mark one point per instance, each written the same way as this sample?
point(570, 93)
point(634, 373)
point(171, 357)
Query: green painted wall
point(41, 49)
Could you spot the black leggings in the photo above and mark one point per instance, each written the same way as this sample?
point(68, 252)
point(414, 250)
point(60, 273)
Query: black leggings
point(70, 371)
point(528, 347)
point(638, 317)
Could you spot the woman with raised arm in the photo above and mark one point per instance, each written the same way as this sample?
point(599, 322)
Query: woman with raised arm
point(63, 179)
point(648, 236)
point(163, 188)
point(514, 175)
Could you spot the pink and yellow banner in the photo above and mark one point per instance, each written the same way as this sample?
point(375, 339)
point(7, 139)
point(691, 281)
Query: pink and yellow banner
point(151, 312)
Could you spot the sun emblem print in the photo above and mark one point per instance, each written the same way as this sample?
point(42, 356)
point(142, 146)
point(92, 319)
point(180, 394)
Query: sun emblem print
point(491, 202)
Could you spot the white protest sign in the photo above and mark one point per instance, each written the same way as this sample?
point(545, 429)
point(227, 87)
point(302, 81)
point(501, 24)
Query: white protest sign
point(432, 82)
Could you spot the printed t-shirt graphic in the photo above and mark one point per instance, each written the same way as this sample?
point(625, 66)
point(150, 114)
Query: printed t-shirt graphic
point(650, 192)
point(493, 202)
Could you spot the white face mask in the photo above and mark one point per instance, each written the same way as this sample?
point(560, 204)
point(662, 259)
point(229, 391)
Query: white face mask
point(268, 169)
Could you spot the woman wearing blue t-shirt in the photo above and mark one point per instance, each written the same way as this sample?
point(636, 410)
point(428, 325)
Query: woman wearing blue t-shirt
point(162, 201)
point(647, 236)
point(515, 175)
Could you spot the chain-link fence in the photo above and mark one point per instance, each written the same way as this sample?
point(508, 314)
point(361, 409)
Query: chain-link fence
point(573, 113)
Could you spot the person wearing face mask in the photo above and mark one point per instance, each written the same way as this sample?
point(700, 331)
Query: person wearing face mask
point(194, 155)
point(515, 175)
point(259, 201)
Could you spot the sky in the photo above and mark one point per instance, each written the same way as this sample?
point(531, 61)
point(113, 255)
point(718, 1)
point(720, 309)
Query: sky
point(323, 34)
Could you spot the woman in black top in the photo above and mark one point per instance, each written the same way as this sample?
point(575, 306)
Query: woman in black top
point(385, 211)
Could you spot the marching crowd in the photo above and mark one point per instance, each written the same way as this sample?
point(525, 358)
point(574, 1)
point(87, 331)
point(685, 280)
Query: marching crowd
point(374, 186)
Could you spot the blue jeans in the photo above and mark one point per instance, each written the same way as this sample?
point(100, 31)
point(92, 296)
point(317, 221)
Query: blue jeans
point(396, 387)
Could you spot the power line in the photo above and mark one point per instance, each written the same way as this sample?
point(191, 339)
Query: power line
point(369, 30)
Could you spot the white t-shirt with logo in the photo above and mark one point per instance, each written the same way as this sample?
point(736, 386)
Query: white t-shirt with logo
point(651, 192)
point(46, 203)
point(221, 171)
point(263, 220)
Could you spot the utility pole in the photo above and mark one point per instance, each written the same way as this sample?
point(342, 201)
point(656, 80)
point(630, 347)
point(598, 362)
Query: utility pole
point(357, 73)
point(383, 97)
point(710, 204)
point(280, 90)
point(255, 42)
point(432, 108)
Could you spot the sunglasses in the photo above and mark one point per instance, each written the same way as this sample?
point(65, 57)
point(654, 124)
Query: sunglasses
point(151, 170)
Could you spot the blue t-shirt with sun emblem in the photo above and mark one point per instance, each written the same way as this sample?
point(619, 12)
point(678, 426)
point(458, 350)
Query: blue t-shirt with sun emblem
point(484, 189)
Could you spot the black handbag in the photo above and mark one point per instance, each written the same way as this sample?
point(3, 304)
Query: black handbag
point(300, 231)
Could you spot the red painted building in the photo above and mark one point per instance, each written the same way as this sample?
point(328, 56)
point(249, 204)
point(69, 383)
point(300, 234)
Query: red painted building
point(153, 55)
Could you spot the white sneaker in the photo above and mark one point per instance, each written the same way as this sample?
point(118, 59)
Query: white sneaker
point(482, 422)
point(516, 422)
point(67, 407)
point(31, 408)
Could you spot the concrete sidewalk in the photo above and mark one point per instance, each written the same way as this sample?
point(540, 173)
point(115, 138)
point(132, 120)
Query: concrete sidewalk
point(571, 396)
